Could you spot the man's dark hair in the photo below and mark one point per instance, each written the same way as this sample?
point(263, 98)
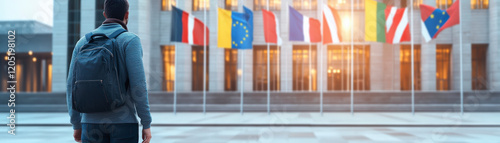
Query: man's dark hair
point(116, 8)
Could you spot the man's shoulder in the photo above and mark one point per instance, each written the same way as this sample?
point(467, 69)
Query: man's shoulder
point(127, 36)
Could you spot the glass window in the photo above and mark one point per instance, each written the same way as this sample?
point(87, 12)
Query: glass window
point(405, 67)
point(304, 68)
point(305, 4)
point(33, 69)
point(260, 68)
point(73, 28)
point(346, 4)
point(339, 67)
point(443, 4)
point(479, 4)
point(230, 69)
point(416, 3)
point(479, 76)
point(262, 4)
point(199, 5)
point(166, 5)
point(168, 68)
point(228, 5)
point(99, 9)
point(197, 73)
point(443, 62)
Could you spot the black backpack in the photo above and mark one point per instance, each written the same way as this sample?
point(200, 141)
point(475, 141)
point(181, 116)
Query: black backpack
point(96, 86)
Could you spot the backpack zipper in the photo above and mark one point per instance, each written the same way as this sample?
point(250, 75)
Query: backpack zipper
point(98, 48)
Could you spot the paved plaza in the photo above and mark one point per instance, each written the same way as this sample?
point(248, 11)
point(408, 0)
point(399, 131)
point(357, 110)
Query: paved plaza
point(283, 127)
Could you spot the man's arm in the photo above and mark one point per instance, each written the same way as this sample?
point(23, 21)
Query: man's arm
point(137, 80)
point(74, 115)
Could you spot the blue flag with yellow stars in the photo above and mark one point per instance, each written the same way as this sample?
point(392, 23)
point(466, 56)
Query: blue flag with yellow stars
point(235, 30)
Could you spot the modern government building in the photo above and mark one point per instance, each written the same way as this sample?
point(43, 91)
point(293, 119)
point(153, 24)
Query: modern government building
point(297, 69)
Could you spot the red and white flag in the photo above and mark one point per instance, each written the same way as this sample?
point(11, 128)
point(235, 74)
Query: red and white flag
point(396, 25)
point(271, 27)
point(187, 29)
point(332, 25)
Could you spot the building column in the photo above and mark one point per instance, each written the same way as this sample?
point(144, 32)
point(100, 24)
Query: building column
point(428, 58)
point(493, 64)
point(286, 57)
point(428, 65)
point(216, 58)
point(60, 46)
point(466, 51)
point(155, 53)
point(376, 66)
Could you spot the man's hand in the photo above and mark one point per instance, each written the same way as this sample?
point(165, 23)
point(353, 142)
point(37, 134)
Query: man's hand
point(77, 134)
point(146, 135)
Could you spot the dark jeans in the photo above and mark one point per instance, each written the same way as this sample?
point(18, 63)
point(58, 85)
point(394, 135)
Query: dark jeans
point(110, 133)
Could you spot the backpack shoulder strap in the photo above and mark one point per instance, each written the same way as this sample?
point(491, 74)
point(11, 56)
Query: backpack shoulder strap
point(117, 33)
point(88, 36)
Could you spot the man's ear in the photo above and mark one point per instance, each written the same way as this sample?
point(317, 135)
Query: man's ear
point(126, 16)
point(103, 13)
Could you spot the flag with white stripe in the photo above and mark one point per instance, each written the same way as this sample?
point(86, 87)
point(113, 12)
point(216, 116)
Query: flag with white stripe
point(332, 25)
point(397, 25)
point(187, 29)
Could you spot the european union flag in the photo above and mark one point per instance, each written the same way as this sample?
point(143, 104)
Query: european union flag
point(235, 30)
point(242, 30)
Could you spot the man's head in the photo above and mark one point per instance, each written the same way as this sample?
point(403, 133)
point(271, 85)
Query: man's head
point(116, 9)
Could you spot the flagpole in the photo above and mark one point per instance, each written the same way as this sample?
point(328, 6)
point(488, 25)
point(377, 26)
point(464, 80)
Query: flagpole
point(352, 59)
point(268, 70)
point(461, 62)
point(310, 59)
point(321, 62)
point(242, 77)
point(175, 74)
point(412, 65)
point(204, 58)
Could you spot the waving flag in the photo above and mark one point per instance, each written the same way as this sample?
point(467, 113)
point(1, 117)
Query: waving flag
point(271, 27)
point(235, 29)
point(186, 28)
point(397, 25)
point(374, 21)
point(332, 25)
point(303, 28)
point(436, 20)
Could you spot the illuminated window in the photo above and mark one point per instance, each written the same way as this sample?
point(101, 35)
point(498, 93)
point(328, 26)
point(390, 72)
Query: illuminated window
point(199, 5)
point(405, 67)
point(479, 76)
point(304, 68)
point(305, 4)
point(231, 5)
point(339, 67)
point(166, 5)
point(443, 4)
point(346, 4)
point(33, 72)
point(416, 3)
point(262, 4)
point(260, 68)
point(479, 4)
point(168, 68)
point(197, 73)
point(443, 62)
point(230, 69)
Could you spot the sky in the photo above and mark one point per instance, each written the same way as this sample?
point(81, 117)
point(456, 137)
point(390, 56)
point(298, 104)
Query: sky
point(39, 10)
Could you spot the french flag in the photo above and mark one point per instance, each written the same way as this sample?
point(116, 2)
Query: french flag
point(271, 27)
point(436, 20)
point(303, 28)
point(187, 29)
point(332, 25)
